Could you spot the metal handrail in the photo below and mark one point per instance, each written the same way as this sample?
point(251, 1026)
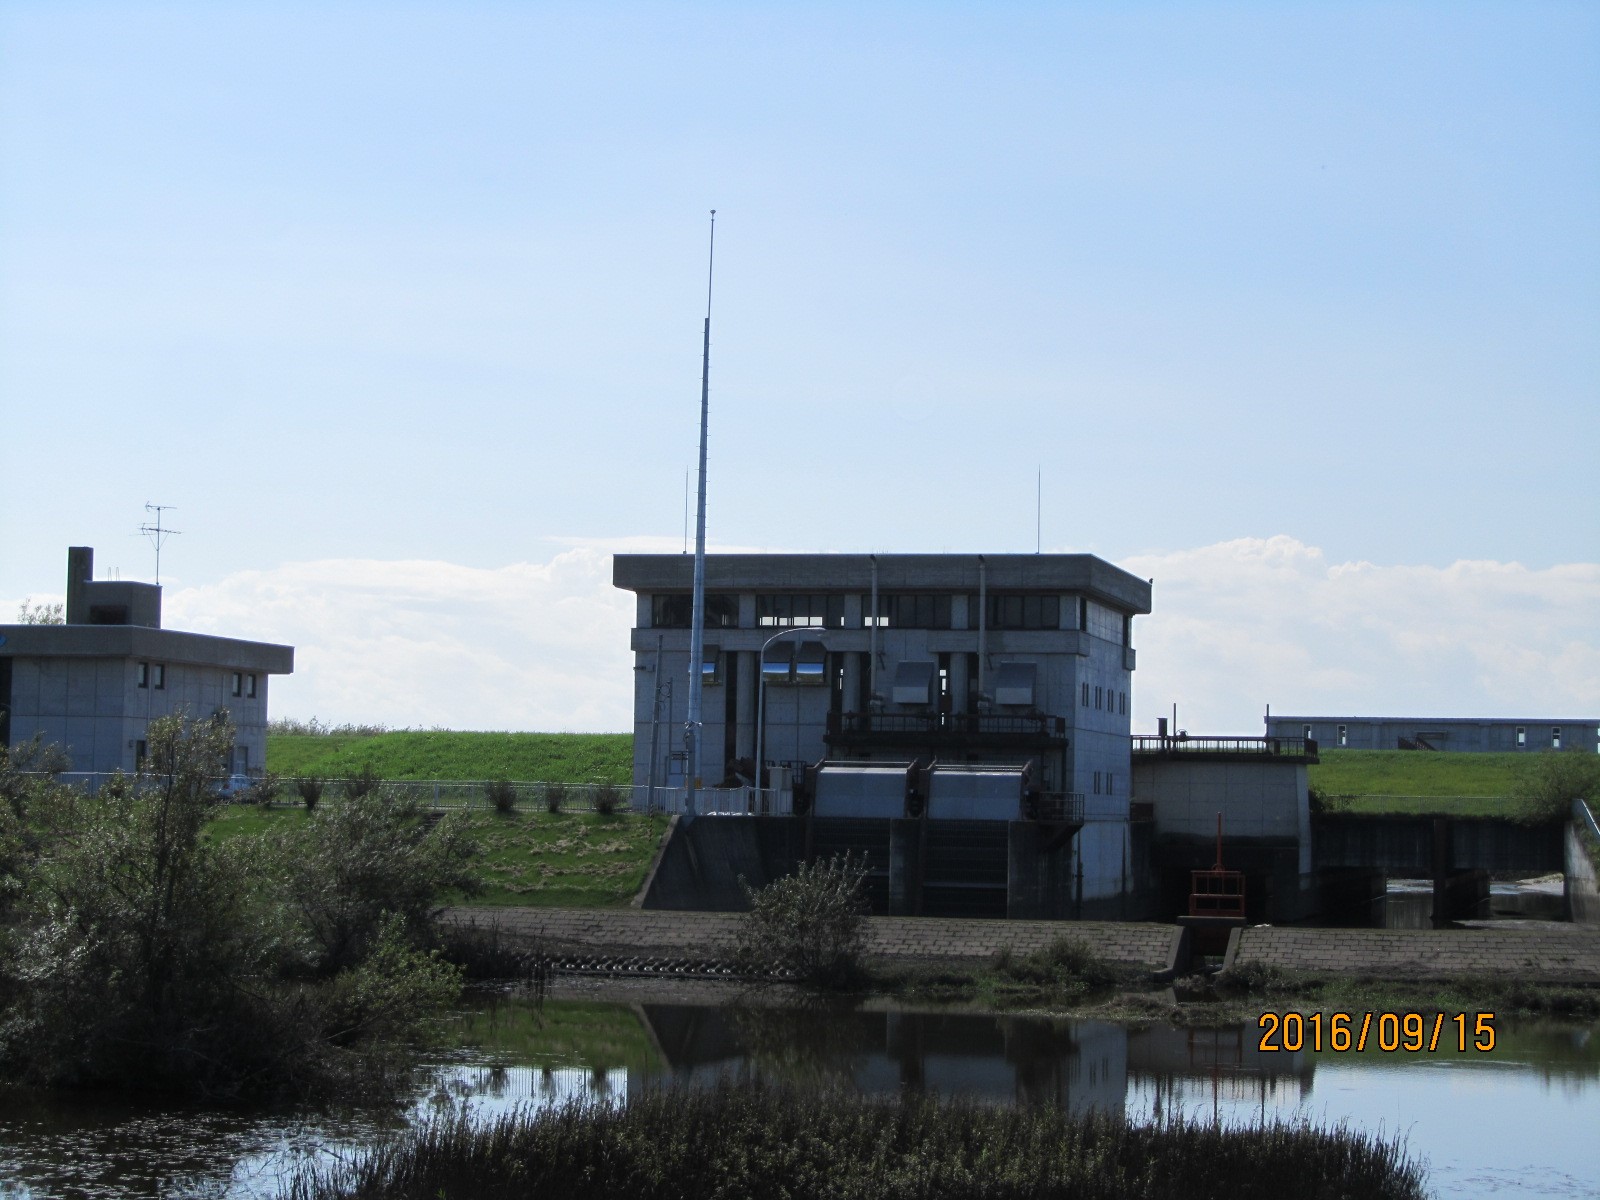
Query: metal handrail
point(1280, 747)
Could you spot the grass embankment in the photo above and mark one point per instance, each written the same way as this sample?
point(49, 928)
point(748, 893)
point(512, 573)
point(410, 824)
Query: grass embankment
point(1417, 781)
point(574, 860)
point(762, 1141)
point(531, 757)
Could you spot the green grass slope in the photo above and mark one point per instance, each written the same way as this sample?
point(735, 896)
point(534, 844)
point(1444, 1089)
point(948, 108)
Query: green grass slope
point(1418, 781)
point(541, 757)
point(572, 860)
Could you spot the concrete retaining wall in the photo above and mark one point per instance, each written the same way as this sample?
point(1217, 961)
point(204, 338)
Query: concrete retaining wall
point(1559, 954)
point(1583, 890)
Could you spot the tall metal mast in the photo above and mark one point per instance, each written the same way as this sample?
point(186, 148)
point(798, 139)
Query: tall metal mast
point(697, 634)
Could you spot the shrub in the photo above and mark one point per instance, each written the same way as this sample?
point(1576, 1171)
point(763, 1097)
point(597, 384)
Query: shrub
point(555, 795)
point(140, 954)
point(309, 788)
point(1551, 780)
point(501, 795)
point(809, 926)
point(355, 861)
point(607, 799)
point(363, 783)
point(263, 791)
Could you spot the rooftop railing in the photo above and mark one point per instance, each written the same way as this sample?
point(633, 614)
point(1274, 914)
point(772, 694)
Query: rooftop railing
point(1254, 747)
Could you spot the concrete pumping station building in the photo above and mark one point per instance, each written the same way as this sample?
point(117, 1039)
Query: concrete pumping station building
point(960, 722)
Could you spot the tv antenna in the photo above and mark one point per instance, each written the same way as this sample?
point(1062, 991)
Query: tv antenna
point(156, 533)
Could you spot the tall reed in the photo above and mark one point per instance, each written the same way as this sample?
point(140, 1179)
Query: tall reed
point(755, 1140)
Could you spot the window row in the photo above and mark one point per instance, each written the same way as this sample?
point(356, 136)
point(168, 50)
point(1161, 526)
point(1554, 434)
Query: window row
point(900, 610)
point(1108, 779)
point(1107, 699)
point(783, 662)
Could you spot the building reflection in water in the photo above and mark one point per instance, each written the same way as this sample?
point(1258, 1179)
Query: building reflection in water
point(1078, 1065)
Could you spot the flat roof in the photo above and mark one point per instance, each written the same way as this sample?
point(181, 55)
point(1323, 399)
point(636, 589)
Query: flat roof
point(1081, 573)
point(144, 642)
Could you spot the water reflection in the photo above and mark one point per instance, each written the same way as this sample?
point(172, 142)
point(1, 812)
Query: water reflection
point(1079, 1065)
point(1541, 1079)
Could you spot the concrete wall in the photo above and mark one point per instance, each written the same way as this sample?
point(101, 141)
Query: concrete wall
point(1493, 735)
point(1582, 888)
point(707, 862)
point(95, 709)
point(1258, 800)
point(1404, 844)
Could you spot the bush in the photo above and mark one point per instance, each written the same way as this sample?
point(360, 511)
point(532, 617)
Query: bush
point(607, 799)
point(501, 795)
point(309, 788)
point(363, 783)
point(555, 795)
point(263, 791)
point(355, 862)
point(1551, 780)
point(140, 954)
point(809, 926)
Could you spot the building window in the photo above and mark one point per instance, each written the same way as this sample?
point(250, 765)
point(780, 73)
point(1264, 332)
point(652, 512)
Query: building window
point(711, 665)
point(1008, 610)
point(1097, 696)
point(141, 752)
point(1307, 734)
point(143, 673)
point(238, 684)
point(1522, 737)
point(250, 686)
point(1111, 784)
point(811, 663)
point(1097, 783)
point(1122, 704)
point(908, 610)
point(677, 611)
point(1086, 695)
point(158, 674)
point(810, 610)
point(1344, 738)
point(1555, 737)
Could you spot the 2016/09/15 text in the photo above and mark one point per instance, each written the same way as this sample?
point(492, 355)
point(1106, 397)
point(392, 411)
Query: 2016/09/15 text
point(1410, 1033)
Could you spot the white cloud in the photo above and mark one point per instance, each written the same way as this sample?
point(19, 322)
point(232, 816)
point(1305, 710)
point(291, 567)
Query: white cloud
point(1236, 625)
point(525, 646)
point(1254, 621)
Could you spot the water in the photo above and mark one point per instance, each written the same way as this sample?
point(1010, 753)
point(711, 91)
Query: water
point(1520, 1120)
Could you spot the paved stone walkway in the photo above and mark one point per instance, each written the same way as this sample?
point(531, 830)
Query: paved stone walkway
point(703, 934)
point(1540, 954)
point(1546, 954)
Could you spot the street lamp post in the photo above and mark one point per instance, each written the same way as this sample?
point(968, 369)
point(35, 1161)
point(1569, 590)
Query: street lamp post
point(761, 693)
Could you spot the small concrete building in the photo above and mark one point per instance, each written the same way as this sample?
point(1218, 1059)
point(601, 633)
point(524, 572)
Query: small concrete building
point(1468, 734)
point(93, 684)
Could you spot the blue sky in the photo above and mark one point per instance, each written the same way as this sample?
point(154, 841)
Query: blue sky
point(374, 284)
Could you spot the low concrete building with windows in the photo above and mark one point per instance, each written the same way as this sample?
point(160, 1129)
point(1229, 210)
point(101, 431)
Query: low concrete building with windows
point(943, 667)
point(93, 684)
point(1464, 734)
